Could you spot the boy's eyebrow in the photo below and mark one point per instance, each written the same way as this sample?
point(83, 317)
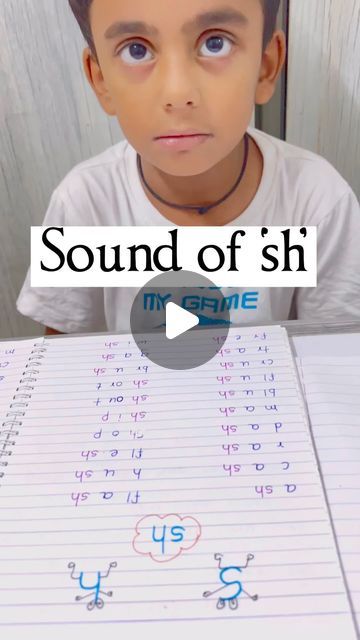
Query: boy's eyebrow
point(201, 21)
point(123, 28)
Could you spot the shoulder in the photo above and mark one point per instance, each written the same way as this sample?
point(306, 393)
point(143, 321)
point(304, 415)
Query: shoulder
point(307, 182)
point(95, 185)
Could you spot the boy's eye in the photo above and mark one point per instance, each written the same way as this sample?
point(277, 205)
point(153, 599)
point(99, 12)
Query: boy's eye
point(134, 53)
point(216, 46)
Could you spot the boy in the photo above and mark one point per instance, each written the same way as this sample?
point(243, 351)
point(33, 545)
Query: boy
point(182, 78)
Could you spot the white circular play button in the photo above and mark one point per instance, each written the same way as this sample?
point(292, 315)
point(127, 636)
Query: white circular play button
point(178, 320)
point(168, 315)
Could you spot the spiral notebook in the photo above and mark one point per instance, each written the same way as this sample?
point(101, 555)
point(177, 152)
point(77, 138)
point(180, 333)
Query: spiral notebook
point(142, 502)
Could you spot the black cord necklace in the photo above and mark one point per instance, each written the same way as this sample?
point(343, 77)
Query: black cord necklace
point(200, 210)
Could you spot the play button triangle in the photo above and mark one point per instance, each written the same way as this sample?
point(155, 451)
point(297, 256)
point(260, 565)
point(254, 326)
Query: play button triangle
point(178, 320)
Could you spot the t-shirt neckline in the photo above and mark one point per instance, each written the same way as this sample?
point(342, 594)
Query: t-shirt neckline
point(151, 215)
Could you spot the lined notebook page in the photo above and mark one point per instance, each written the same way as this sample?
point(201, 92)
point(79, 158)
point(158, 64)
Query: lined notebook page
point(140, 496)
point(332, 387)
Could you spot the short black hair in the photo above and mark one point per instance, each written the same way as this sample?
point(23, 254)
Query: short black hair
point(81, 11)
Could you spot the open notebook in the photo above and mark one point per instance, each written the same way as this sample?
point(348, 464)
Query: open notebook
point(141, 502)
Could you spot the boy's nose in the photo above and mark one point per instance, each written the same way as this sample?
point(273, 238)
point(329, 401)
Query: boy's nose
point(179, 89)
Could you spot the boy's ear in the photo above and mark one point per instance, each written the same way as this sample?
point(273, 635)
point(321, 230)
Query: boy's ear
point(96, 80)
point(272, 63)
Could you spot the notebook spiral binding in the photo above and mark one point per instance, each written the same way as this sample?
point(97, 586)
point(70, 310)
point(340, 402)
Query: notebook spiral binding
point(20, 401)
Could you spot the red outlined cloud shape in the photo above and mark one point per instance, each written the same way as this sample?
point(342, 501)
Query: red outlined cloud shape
point(144, 544)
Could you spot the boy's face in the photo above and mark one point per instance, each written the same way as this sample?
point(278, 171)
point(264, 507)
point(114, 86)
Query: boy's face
point(172, 66)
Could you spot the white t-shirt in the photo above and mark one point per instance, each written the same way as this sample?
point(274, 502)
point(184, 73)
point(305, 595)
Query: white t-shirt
point(297, 188)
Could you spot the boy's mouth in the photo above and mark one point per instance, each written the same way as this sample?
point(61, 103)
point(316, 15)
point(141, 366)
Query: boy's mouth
point(182, 140)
